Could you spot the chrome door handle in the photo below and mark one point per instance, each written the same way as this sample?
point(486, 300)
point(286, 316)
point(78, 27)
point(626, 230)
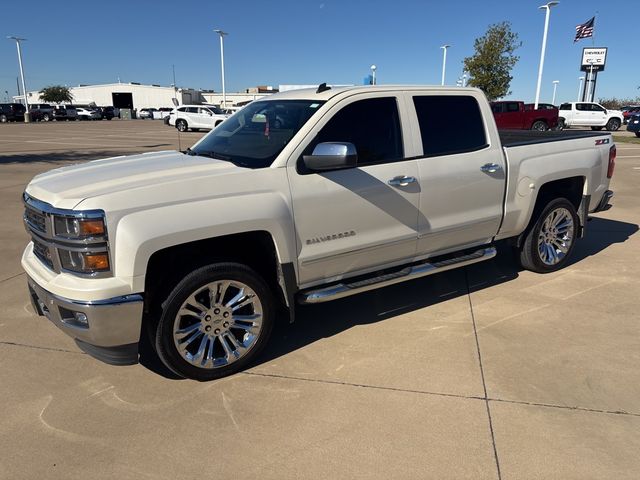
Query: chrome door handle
point(490, 167)
point(401, 181)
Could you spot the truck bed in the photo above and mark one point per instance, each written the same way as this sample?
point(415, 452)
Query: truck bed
point(515, 138)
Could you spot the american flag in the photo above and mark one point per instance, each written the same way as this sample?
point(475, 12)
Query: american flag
point(585, 30)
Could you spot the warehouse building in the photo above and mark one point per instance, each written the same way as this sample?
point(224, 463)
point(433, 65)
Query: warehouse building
point(127, 95)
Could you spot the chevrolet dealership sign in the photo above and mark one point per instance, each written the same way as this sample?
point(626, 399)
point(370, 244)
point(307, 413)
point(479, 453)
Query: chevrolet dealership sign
point(595, 57)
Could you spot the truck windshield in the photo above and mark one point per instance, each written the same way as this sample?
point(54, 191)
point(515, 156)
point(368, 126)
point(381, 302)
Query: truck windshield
point(254, 136)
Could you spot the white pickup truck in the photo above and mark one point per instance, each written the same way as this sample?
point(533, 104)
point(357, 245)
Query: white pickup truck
point(589, 114)
point(304, 197)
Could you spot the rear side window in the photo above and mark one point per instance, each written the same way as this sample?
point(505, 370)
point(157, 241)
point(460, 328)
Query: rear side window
point(565, 106)
point(372, 125)
point(440, 117)
point(513, 107)
point(583, 107)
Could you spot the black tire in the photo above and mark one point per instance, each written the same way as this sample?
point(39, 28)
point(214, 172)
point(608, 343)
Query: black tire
point(540, 125)
point(533, 255)
point(181, 125)
point(46, 117)
point(196, 285)
point(613, 124)
point(3, 119)
point(638, 134)
point(561, 124)
point(597, 128)
point(218, 123)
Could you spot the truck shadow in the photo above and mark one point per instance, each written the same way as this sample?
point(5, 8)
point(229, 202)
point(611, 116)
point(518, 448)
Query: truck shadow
point(47, 156)
point(313, 323)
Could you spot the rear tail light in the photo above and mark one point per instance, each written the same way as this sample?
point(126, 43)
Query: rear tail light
point(612, 161)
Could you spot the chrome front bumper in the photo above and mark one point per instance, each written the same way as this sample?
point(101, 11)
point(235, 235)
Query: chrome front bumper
point(108, 330)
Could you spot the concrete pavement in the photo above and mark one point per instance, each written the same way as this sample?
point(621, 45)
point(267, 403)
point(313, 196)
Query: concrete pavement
point(486, 372)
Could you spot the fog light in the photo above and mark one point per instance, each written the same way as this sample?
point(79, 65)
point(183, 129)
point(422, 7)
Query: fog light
point(81, 318)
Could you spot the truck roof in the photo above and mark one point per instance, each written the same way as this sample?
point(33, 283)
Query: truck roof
point(311, 93)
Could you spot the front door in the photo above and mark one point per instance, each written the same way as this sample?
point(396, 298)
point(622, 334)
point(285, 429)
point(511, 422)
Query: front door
point(359, 219)
point(462, 176)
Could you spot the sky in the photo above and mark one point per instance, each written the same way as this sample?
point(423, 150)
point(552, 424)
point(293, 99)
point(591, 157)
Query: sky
point(307, 42)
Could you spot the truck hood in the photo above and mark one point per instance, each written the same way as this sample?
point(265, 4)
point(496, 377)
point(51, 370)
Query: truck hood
point(66, 187)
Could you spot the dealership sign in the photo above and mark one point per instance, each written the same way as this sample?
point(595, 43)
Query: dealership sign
point(593, 57)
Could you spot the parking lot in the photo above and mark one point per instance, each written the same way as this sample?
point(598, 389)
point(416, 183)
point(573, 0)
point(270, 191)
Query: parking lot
point(486, 372)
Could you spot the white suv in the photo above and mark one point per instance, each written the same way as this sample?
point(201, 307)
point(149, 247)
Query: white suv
point(195, 117)
point(588, 114)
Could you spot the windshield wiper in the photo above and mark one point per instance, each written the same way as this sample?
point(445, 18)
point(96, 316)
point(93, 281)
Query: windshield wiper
point(215, 156)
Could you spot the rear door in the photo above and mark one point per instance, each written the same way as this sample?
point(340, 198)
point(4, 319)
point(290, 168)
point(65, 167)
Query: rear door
point(358, 219)
point(192, 117)
point(512, 116)
point(583, 115)
point(462, 176)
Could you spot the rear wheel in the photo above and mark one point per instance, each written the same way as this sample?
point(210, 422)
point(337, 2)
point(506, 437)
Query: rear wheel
point(613, 124)
point(638, 134)
point(561, 124)
point(46, 117)
point(539, 125)
point(215, 321)
point(3, 119)
point(182, 126)
point(549, 243)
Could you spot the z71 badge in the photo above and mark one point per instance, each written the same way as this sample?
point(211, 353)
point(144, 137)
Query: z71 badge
point(328, 238)
point(602, 141)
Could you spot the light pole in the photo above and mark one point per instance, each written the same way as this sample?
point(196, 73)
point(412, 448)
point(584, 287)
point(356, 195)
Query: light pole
point(373, 74)
point(24, 87)
point(224, 93)
point(555, 87)
point(547, 8)
point(444, 61)
point(580, 80)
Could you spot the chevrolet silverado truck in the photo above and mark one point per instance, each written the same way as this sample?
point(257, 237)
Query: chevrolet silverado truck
point(518, 116)
point(305, 197)
point(589, 114)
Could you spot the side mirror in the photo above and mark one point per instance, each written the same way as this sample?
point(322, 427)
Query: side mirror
point(605, 111)
point(332, 156)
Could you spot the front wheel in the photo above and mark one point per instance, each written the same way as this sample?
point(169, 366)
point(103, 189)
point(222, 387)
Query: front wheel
point(549, 243)
point(3, 119)
point(613, 124)
point(182, 126)
point(215, 321)
point(540, 126)
point(46, 117)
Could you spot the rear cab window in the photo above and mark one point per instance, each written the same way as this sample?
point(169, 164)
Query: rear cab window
point(438, 116)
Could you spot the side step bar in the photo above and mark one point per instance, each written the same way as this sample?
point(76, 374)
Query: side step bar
point(341, 290)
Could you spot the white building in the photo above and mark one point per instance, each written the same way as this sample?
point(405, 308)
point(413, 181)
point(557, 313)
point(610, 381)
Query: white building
point(127, 95)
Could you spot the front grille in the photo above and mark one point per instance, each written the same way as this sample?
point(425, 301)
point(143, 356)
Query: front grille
point(36, 220)
point(42, 252)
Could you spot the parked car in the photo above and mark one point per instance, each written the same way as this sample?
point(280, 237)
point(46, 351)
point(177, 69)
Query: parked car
point(146, 113)
point(196, 117)
point(44, 108)
point(12, 112)
point(108, 112)
point(589, 114)
point(36, 115)
point(64, 112)
point(518, 116)
point(201, 250)
point(86, 114)
point(634, 124)
point(629, 111)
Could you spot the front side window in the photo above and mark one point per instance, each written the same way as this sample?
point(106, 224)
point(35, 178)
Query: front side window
point(372, 125)
point(439, 114)
point(254, 136)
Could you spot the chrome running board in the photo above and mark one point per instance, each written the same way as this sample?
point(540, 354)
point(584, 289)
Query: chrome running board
point(341, 290)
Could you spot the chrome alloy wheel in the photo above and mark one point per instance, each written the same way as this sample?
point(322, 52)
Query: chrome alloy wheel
point(218, 324)
point(555, 236)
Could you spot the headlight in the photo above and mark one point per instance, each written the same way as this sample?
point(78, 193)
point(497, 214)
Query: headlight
point(84, 262)
point(77, 228)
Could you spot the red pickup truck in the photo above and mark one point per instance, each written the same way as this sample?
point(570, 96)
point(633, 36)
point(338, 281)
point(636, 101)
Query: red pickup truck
point(518, 116)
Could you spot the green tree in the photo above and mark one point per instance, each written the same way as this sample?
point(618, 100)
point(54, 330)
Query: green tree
point(56, 94)
point(490, 67)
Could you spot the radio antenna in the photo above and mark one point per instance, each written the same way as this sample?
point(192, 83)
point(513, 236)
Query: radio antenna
point(175, 104)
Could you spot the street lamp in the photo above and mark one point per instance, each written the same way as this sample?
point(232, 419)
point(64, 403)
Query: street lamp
point(224, 93)
point(373, 74)
point(555, 86)
point(580, 80)
point(24, 87)
point(444, 61)
point(547, 9)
